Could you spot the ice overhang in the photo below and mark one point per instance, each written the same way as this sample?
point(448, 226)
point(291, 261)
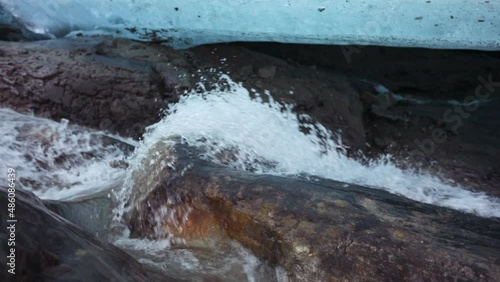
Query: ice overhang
point(450, 24)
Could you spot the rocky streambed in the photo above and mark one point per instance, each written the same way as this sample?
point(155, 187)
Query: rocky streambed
point(301, 228)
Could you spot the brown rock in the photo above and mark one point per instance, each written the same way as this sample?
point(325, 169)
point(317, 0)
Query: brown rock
point(267, 72)
point(85, 75)
point(54, 93)
point(322, 231)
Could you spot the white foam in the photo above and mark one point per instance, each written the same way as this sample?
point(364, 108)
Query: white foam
point(55, 160)
point(265, 138)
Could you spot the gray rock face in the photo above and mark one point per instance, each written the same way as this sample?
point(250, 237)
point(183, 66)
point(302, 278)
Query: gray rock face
point(93, 214)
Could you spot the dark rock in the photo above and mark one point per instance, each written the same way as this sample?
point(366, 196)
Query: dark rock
point(49, 248)
point(322, 231)
point(54, 93)
point(85, 87)
point(245, 71)
point(66, 100)
point(431, 73)
point(470, 154)
point(267, 72)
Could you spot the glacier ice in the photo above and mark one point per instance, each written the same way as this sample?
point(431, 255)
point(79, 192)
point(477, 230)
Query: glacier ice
point(459, 24)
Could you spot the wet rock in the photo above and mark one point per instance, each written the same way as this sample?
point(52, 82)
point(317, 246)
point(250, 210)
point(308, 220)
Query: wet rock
point(431, 73)
point(49, 248)
point(432, 78)
point(267, 72)
point(80, 79)
point(380, 105)
point(465, 150)
point(322, 231)
point(92, 214)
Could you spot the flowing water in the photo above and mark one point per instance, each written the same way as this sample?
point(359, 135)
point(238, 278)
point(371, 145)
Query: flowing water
point(229, 125)
point(231, 128)
point(57, 160)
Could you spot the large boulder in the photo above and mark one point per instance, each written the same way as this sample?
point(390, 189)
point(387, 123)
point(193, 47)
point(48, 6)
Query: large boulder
point(321, 231)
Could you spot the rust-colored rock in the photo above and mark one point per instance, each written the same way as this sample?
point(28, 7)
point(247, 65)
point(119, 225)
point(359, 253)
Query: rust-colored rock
point(328, 231)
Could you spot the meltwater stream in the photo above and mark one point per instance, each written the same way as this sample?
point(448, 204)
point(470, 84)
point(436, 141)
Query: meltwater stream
point(264, 137)
point(57, 160)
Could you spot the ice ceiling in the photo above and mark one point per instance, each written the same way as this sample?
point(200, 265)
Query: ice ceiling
point(454, 24)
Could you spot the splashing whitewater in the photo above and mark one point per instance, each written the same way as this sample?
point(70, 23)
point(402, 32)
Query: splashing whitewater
point(231, 128)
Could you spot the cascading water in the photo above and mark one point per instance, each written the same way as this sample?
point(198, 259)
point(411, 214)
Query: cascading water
point(231, 128)
point(60, 161)
point(56, 160)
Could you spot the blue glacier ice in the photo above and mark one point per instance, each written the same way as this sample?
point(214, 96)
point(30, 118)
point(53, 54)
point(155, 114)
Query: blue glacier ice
point(454, 24)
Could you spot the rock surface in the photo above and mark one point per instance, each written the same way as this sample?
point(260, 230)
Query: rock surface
point(322, 231)
point(93, 214)
point(49, 248)
point(115, 85)
point(430, 73)
point(316, 231)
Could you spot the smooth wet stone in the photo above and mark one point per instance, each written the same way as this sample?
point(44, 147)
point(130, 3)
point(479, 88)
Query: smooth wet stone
point(93, 214)
point(49, 248)
point(323, 230)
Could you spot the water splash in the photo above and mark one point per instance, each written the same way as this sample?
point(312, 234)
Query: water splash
point(231, 128)
point(56, 160)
